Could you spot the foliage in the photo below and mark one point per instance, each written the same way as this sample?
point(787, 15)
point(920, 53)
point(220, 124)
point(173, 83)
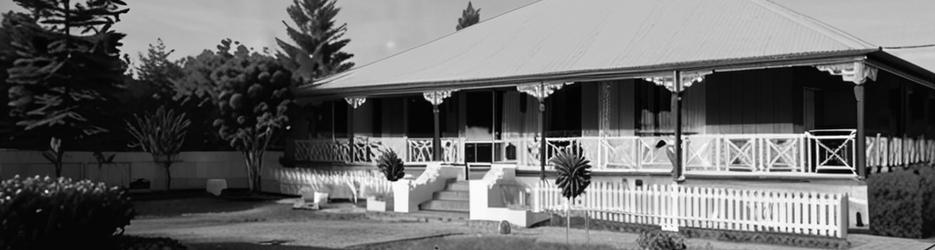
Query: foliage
point(160, 134)
point(7, 57)
point(391, 165)
point(900, 202)
point(574, 173)
point(659, 240)
point(156, 70)
point(47, 213)
point(55, 154)
point(318, 41)
point(253, 97)
point(469, 16)
point(63, 79)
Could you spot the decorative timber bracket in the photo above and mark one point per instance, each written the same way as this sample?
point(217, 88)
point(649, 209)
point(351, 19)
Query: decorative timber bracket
point(855, 72)
point(356, 101)
point(437, 97)
point(689, 78)
point(540, 90)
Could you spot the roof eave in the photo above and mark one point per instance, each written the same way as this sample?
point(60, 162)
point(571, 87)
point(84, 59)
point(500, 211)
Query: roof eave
point(900, 67)
point(788, 60)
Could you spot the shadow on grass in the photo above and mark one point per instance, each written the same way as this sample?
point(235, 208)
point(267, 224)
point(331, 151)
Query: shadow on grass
point(175, 203)
point(479, 242)
point(246, 246)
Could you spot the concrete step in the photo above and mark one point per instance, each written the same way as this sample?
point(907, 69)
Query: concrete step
point(458, 186)
point(445, 205)
point(452, 195)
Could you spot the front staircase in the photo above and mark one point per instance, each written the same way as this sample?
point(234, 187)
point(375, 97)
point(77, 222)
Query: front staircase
point(454, 198)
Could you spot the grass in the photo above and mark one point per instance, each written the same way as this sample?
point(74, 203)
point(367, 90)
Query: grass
point(175, 203)
point(480, 242)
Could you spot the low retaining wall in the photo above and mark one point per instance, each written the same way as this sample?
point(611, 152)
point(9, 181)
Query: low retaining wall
point(191, 173)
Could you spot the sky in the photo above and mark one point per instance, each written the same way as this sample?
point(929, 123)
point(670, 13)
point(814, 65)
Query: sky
point(377, 29)
point(380, 28)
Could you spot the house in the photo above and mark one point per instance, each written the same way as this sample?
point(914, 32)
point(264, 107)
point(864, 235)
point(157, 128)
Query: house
point(749, 93)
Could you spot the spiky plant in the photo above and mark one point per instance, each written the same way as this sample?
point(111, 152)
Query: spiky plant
point(160, 134)
point(391, 165)
point(574, 176)
point(574, 173)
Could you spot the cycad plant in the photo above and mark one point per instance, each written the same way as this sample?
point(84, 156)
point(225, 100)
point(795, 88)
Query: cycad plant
point(160, 134)
point(574, 176)
point(391, 165)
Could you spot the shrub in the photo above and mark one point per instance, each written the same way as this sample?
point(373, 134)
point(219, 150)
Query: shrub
point(574, 173)
point(47, 213)
point(660, 240)
point(391, 166)
point(900, 203)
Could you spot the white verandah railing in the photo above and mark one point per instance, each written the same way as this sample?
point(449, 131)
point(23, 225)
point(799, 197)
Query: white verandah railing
point(807, 213)
point(815, 152)
point(367, 149)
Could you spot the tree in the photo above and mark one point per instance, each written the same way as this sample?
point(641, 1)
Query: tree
point(161, 134)
point(252, 100)
point(181, 85)
point(7, 57)
point(159, 72)
point(318, 41)
point(469, 16)
point(69, 66)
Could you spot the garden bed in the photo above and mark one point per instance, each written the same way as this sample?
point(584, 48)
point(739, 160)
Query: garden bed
point(774, 238)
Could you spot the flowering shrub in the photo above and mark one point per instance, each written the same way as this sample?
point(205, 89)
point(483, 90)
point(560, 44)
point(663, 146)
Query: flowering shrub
point(58, 213)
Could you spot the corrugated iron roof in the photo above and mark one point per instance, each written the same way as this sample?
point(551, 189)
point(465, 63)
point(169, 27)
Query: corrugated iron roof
point(558, 36)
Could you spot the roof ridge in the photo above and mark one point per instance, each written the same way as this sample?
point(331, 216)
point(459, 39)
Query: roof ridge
point(816, 25)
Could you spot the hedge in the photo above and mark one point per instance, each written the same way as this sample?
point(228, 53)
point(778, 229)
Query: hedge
point(900, 203)
point(48, 213)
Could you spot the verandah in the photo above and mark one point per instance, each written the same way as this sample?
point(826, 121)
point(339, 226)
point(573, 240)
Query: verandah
point(823, 144)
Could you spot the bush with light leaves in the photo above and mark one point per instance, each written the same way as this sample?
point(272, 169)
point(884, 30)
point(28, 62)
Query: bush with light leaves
point(252, 99)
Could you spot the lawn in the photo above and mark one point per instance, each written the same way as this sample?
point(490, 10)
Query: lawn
point(484, 242)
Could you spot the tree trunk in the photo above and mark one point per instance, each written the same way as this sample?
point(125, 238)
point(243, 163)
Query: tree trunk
point(248, 163)
point(258, 172)
point(168, 166)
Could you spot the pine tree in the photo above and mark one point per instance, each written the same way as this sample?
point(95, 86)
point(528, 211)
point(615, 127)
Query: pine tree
point(68, 69)
point(469, 17)
point(318, 41)
point(158, 71)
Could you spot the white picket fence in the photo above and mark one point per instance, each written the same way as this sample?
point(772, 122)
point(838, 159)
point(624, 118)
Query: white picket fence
point(808, 213)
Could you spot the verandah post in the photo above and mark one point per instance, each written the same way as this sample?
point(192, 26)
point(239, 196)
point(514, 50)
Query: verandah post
point(861, 141)
point(542, 140)
point(350, 130)
point(436, 138)
point(677, 100)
